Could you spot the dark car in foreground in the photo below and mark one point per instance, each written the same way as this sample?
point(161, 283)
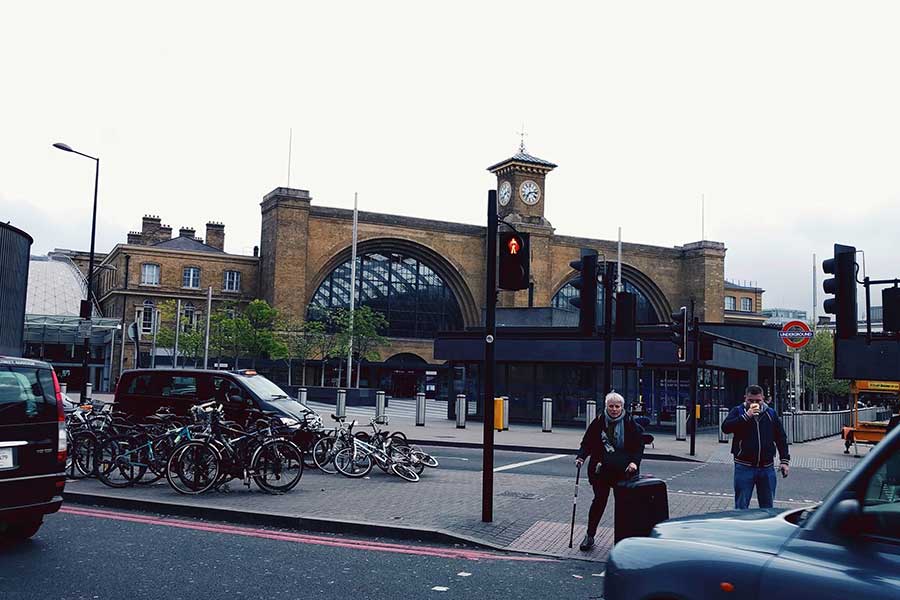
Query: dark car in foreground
point(847, 547)
point(32, 445)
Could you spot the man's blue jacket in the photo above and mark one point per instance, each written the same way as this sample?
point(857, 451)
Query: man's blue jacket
point(755, 438)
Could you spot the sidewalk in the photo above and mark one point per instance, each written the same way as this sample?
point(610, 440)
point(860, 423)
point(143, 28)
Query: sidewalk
point(826, 453)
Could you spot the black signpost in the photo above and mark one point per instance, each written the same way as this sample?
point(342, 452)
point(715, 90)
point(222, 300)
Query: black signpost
point(487, 476)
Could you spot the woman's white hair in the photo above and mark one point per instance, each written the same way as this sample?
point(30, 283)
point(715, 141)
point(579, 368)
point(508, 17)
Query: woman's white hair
point(614, 396)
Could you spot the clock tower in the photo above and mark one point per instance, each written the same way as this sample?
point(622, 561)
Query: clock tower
point(520, 187)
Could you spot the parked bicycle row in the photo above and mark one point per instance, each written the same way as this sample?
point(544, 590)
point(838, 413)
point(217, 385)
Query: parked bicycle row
point(206, 450)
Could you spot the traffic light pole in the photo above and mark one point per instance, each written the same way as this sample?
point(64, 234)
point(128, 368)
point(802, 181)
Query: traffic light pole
point(487, 475)
point(695, 367)
point(608, 290)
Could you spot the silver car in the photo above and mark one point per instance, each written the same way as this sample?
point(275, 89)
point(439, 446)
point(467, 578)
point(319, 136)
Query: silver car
point(846, 548)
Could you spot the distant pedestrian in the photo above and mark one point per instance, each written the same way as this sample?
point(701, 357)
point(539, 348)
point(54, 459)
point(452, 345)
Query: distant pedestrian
point(757, 433)
point(613, 441)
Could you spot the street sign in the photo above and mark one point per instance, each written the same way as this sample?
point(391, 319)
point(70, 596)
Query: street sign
point(878, 386)
point(795, 334)
point(84, 328)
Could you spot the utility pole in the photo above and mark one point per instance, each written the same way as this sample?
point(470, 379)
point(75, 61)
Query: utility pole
point(695, 367)
point(487, 475)
point(609, 289)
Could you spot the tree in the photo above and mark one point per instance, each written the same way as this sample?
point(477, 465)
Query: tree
point(191, 338)
point(298, 338)
point(367, 334)
point(325, 337)
point(255, 331)
point(820, 352)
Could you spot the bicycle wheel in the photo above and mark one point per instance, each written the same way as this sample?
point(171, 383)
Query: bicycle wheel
point(358, 465)
point(323, 454)
point(404, 471)
point(425, 458)
point(277, 466)
point(82, 451)
point(403, 455)
point(193, 467)
point(118, 462)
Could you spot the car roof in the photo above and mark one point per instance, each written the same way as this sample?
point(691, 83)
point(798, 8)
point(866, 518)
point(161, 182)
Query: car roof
point(165, 371)
point(13, 361)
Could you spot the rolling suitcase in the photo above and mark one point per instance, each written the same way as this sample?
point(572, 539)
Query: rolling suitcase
point(641, 503)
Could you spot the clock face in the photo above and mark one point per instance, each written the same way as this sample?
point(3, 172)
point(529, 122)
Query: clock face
point(505, 193)
point(530, 192)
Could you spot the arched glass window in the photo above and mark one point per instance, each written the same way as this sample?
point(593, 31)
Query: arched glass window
point(416, 302)
point(646, 314)
point(147, 317)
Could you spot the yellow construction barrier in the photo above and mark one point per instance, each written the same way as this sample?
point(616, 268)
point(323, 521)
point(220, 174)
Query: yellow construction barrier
point(498, 414)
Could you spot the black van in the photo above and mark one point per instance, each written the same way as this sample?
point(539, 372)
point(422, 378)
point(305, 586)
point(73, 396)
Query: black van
point(140, 392)
point(32, 445)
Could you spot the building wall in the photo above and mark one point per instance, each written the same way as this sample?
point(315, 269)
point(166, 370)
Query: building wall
point(302, 243)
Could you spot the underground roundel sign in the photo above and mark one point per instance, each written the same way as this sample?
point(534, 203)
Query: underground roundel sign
point(795, 334)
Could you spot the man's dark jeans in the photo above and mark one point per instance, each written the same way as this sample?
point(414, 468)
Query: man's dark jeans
point(745, 478)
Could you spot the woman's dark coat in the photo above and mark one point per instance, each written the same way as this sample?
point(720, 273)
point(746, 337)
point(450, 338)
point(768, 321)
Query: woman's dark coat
point(613, 467)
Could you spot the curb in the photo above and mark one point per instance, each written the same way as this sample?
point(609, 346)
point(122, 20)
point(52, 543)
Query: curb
point(539, 449)
point(284, 521)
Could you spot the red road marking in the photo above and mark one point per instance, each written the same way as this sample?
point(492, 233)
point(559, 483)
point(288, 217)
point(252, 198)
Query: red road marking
point(297, 537)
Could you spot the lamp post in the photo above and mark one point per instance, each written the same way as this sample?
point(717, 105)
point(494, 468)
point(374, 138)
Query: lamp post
point(87, 307)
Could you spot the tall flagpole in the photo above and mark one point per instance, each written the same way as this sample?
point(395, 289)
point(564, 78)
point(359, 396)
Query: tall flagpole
point(290, 148)
point(352, 295)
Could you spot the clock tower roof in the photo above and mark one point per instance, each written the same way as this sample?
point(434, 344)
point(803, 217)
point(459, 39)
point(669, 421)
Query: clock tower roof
point(524, 160)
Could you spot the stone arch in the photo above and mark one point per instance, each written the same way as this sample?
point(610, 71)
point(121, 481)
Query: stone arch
point(437, 262)
point(406, 359)
point(641, 281)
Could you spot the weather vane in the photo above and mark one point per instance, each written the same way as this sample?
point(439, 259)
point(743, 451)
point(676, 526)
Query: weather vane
point(522, 134)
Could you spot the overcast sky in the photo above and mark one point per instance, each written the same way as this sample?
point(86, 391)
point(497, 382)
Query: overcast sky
point(785, 115)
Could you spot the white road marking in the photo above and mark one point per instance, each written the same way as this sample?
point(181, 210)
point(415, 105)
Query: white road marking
point(439, 588)
point(603, 574)
point(450, 457)
point(463, 574)
point(529, 462)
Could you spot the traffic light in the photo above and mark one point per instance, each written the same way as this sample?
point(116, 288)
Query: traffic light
point(514, 261)
point(843, 286)
point(626, 314)
point(679, 328)
point(586, 284)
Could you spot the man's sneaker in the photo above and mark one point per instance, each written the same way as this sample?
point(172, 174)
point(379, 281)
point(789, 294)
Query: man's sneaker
point(586, 544)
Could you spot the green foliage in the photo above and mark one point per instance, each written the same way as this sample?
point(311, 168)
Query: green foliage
point(820, 352)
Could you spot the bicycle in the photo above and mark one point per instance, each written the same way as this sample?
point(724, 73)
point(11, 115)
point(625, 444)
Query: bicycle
point(357, 460)
point(274, 463)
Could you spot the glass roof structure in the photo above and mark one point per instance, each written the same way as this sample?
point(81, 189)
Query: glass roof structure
point(53, 300)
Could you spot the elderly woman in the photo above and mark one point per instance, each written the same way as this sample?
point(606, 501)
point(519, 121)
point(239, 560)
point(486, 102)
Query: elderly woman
point(613, 441)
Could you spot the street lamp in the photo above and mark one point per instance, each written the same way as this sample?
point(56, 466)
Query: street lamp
point(86, 307)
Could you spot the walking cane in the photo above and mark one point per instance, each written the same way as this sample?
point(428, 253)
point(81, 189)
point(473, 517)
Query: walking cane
point(574, 504)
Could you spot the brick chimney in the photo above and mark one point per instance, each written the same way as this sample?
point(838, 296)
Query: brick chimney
point(215, 235)
point(188, 232)
point(165, 233)
point(150, 227)
point(135, 238)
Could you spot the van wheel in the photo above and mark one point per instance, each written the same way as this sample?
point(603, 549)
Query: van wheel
point(23, 530)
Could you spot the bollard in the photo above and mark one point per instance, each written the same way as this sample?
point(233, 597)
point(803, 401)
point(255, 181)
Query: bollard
point(301, 396)
point(89, 392)
point(505, 413)
point(723, 413)
point(547, 421)
point(62, 387)
point(379, 404)
point(420, 409)
point(461, 409)
point(498, 414)
point(340, 408)
point(590, 413)
point(681, 423)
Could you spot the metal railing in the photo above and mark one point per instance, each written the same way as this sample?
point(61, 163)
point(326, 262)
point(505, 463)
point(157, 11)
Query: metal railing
point(814, 425)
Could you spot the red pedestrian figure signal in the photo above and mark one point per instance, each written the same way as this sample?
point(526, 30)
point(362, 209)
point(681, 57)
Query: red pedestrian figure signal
point(514, 257)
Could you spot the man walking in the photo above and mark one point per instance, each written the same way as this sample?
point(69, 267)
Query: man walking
point(757, 433)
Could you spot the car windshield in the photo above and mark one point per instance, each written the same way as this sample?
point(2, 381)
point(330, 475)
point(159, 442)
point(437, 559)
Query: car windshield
point(269, 392)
